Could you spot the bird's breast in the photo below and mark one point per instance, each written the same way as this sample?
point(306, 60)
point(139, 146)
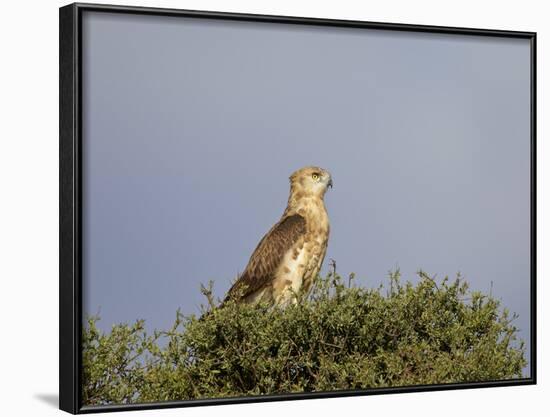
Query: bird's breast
point(302, 262)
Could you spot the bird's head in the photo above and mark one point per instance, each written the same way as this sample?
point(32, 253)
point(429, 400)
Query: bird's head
point(310, 181)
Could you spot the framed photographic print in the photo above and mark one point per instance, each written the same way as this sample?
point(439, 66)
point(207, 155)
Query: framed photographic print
point(259, 208)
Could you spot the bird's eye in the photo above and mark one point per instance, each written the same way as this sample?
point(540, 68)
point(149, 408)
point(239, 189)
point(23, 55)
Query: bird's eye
point(315, 176)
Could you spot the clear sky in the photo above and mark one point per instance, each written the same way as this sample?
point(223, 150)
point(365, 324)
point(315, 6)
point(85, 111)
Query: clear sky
point(192, 127)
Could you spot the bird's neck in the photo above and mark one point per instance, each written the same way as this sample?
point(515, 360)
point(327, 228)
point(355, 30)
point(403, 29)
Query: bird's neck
point(307, 205)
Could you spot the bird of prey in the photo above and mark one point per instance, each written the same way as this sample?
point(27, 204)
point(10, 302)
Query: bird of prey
point(288, 258)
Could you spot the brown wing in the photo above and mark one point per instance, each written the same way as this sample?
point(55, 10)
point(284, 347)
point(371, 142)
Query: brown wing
point(268, 255)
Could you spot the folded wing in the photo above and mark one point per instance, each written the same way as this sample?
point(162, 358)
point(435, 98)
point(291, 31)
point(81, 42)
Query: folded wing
point(268, 255)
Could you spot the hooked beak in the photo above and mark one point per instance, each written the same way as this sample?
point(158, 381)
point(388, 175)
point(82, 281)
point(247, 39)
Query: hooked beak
point(329, 183)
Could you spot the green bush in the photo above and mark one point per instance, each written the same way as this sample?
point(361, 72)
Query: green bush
point(340, 337)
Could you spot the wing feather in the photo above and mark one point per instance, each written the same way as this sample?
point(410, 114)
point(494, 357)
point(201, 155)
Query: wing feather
point(268, 255)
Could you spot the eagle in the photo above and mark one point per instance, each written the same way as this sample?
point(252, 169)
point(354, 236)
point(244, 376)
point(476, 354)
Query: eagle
point(289, 256)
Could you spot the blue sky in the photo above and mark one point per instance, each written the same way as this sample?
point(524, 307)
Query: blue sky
point(192, 127)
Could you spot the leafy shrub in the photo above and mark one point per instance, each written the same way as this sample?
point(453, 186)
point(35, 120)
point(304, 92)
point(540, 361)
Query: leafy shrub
point(340, 337)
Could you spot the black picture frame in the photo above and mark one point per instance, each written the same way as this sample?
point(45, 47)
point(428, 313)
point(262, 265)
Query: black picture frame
point(70, 202)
